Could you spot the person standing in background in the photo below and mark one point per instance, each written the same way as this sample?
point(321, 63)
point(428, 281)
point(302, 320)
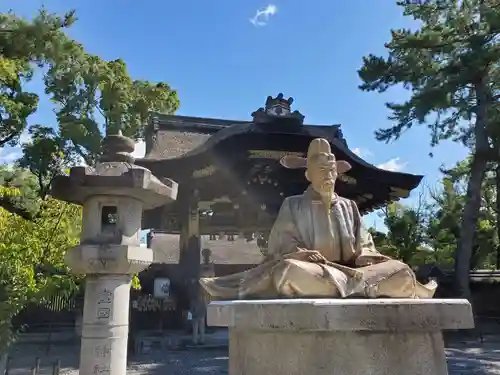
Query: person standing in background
point(198, 313)
point(207, 268)
point(198, 306)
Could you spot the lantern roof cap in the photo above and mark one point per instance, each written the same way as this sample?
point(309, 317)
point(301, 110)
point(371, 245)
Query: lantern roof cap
point(115, 174)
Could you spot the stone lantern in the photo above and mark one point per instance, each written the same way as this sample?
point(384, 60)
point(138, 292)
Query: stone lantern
point(114, 195)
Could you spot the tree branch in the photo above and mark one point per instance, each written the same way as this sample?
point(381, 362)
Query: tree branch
point(8, 205)
point(47, 246)
point(9, 138)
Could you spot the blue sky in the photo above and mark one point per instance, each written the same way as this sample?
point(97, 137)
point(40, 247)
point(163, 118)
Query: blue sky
point(224, 61)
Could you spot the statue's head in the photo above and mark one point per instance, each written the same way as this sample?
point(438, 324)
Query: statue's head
point(322, 168)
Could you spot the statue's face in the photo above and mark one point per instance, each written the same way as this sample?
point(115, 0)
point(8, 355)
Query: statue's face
point(322, 175)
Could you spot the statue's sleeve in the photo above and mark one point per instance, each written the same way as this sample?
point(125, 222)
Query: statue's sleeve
point(366, 253)
point(283, 238)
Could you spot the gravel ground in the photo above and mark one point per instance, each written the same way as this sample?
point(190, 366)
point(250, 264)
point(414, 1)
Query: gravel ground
point(464, 358)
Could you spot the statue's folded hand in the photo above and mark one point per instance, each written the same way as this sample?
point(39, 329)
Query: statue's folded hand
point(313, 256)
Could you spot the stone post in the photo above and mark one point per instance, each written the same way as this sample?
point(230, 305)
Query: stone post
point(114, 195)
point(339, 336)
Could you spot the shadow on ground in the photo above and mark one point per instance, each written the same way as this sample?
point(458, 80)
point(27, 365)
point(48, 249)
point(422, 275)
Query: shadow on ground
point(473, 357)
point(469, 357)
point(191, 361)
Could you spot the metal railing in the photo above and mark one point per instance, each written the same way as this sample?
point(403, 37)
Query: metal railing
point(35, 370)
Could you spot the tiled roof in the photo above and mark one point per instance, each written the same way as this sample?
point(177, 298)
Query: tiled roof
point(223, 251)
point(171, 136)
point(169, 144)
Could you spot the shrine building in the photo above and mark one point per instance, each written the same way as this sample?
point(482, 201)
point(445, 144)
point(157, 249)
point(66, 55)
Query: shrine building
point(231, 185)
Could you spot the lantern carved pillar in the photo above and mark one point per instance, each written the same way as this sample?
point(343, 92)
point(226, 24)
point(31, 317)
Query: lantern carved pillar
point(114, 195)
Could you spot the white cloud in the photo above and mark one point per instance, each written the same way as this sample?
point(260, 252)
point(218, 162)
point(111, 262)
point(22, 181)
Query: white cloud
point(140, 150)
point(25, 138)
point(392, 165)
point(361, 152)
point(9, 154)
point(262, 15)
point(357, 151)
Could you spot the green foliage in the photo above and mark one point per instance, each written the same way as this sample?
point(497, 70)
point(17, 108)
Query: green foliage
point(430, 231)
point(6, 191)
point(45, 156)
point(91, 97)
point(39, 39)
point(450, 204)
point(95, 96)
point(405, 238)
point(32, 259)
point(26, 202)
point(15, 104)
point(444, 225)
point(440, 65)
point(136, 283)
point(25, 45)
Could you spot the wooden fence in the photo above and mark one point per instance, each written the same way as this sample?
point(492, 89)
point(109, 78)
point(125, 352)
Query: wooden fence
point(58, 311)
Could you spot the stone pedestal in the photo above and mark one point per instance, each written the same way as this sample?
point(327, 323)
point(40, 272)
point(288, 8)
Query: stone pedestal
point(339, 337)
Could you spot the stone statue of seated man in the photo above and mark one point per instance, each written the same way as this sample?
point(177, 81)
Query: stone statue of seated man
point(319, 248)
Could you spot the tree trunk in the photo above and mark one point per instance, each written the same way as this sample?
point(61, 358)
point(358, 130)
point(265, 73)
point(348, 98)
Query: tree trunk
point(463, 252)
point(497, 213)
point(470, 216)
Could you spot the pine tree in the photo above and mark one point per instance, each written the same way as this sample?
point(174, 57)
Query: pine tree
point(451, 67)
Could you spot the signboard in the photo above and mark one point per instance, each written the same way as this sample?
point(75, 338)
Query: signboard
point(162, 287)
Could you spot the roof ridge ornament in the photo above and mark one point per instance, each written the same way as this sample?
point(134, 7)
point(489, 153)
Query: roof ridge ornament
point(277, 108)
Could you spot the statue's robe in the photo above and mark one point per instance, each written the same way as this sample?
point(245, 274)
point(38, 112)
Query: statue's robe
point(353, 267)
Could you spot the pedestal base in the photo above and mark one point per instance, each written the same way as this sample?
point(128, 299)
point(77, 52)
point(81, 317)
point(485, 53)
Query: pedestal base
point(339, 337)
